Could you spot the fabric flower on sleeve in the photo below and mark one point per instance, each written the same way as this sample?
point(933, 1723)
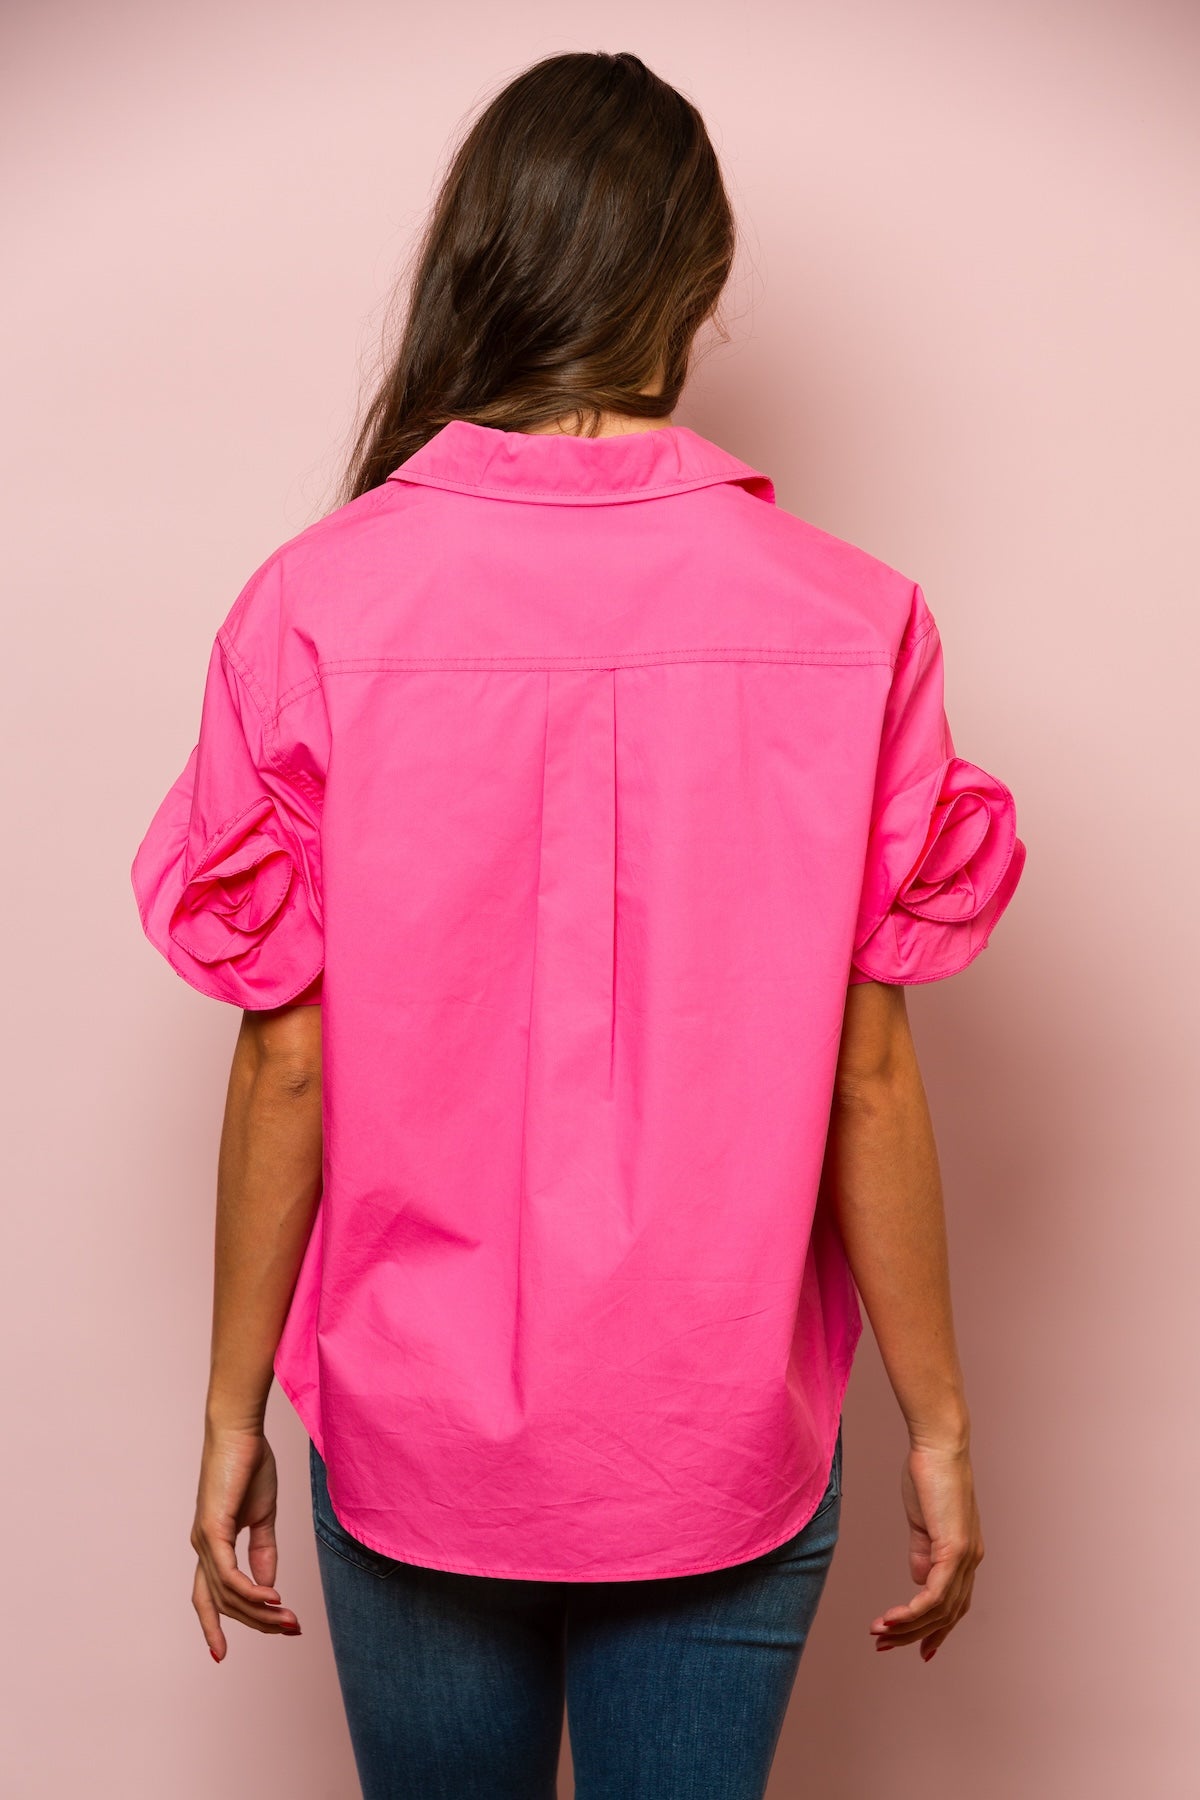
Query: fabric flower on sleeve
point(943, 857)
point(930, 915)
point(227, 876)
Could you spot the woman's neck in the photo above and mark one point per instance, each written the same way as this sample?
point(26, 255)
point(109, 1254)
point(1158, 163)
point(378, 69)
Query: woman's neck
point(612, 424)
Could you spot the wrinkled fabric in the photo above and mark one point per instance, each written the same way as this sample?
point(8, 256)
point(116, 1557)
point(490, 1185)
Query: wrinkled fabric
point(575, 779)
point(943, 856)
point(228, 875)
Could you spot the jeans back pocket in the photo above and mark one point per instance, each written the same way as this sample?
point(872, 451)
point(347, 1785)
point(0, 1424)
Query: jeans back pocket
point(330, 1530)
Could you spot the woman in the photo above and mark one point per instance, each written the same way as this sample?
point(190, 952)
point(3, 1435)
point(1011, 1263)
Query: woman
point(567, 819)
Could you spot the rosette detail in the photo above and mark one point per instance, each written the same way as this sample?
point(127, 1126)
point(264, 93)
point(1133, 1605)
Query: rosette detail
point(945, 862)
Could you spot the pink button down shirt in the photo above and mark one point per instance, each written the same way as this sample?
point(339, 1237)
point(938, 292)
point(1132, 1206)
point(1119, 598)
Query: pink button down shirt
point(576, 779)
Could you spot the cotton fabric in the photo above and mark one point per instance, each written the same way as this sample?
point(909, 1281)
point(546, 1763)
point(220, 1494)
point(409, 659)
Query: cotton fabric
point(576, 780)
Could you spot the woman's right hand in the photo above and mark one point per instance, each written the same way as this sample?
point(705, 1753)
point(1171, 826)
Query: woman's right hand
point(238, 1488)
point(945, 1547)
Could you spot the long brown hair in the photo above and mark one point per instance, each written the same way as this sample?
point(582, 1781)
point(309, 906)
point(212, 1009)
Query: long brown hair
point(581, 236)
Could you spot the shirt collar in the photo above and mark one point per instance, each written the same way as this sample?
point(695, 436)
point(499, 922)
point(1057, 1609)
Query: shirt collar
point(543, 466)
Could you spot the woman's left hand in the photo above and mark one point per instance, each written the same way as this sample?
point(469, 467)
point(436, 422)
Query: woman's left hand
point(945, 1546)
point(238, 1489)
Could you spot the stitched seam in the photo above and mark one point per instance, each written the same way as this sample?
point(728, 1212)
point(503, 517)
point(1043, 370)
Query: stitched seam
point(297, 692)
point(298, 776)
point(629, 659)
point(216, 992)
point(527, 493)
point(270, 722)
point(222, 829)
point(915, 980)
point(245, 674)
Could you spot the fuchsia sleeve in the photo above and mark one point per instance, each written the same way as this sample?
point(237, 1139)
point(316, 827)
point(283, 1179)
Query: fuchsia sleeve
point(227, 877)
point(943, 858)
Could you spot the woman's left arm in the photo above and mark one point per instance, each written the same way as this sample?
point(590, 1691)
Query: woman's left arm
point(268, 1187)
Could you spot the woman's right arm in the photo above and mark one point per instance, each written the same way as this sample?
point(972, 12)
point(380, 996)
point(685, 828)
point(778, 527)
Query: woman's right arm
point(884, 1185)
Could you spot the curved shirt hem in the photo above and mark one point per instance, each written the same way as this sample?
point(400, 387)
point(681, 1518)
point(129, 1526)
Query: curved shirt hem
point(308, 1418)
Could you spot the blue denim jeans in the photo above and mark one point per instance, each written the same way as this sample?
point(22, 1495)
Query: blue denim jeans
point(674, 1687)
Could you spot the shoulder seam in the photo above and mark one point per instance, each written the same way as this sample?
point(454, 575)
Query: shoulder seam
point(270, 721)
point(245, 675)
point(727, 653)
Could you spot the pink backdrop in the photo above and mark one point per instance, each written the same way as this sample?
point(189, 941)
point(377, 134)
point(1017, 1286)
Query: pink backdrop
point(965, 338)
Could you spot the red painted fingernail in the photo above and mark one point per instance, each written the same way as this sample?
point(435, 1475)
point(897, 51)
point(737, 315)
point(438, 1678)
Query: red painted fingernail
point(291, 1630)
point(213, 1654)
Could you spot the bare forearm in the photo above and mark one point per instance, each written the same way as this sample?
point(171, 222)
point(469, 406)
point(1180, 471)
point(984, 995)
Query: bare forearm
point(885, 1187)
point(268, 1186)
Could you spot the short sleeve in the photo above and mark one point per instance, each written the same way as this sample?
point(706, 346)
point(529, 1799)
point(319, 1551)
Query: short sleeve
point(943, 856)
point(227, 877)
